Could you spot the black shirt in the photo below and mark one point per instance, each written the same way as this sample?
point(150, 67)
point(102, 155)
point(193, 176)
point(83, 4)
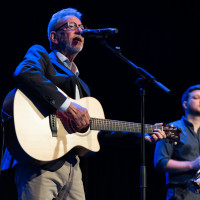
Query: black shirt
point(187, 149)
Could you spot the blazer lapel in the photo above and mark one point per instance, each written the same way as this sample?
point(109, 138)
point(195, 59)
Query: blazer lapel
point(54, 59)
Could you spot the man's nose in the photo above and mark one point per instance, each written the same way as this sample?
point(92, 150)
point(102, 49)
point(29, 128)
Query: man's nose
point(78, 30)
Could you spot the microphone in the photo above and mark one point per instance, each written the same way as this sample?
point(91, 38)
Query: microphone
point(98, 32)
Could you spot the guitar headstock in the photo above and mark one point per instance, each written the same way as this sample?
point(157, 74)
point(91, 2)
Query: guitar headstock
point(172, 132)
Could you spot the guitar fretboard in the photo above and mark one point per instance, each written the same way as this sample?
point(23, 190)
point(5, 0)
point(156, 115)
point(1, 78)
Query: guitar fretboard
point(115, 125)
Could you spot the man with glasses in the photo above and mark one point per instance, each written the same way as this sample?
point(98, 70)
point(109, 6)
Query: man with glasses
point(41, 73)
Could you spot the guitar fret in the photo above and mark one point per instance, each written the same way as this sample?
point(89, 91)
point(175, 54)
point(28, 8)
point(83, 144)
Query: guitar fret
point(114, 125)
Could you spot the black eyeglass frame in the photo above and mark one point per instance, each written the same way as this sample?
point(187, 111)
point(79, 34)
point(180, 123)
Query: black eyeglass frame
point(68, 24)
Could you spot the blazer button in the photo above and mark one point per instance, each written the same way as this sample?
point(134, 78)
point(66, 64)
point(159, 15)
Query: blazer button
point(53, 101)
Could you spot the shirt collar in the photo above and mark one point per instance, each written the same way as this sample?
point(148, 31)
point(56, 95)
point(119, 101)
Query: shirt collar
point(66, 61)
point(187, 123)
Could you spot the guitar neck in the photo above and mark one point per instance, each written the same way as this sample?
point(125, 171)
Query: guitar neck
point(115, 125)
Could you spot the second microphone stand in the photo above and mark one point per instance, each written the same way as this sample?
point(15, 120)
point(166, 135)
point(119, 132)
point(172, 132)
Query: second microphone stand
point(145, 79)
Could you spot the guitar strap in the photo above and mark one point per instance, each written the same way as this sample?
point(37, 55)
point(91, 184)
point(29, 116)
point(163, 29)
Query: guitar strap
point(85, 88)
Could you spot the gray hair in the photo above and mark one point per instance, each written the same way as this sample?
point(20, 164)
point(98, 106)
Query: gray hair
point(58, 16)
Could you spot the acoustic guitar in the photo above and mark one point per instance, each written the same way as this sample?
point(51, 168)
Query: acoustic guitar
point(33, 137)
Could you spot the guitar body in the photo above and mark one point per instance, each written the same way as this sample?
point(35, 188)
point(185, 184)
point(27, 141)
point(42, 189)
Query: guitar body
point(29, 136)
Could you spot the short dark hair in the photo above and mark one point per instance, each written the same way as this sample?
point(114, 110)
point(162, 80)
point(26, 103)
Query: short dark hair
point(188, 91)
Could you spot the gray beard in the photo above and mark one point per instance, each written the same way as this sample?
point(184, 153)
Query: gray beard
point(73, 50)
point(70, 49)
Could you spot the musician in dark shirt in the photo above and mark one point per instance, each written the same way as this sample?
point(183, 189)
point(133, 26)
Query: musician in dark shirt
point(181, 161)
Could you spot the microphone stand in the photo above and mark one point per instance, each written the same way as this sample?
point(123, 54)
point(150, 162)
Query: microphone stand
point(141, 83)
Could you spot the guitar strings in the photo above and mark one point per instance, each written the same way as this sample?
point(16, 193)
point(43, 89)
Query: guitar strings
point(114, 125)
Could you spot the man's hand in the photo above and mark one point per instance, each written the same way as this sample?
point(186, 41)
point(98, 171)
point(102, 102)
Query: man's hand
point(157, 135)
point(196, 163)
point(182, 166)
point(76, 117)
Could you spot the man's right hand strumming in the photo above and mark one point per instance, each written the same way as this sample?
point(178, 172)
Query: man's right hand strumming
point(78, 115)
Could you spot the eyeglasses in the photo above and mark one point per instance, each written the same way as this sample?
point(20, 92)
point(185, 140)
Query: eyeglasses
point(70, 26)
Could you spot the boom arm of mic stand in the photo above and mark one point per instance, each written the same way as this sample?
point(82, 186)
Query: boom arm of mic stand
point(146, 77)
point(142, 72)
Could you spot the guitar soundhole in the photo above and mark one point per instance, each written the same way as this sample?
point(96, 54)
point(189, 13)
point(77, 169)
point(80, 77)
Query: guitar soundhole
point(72, 127)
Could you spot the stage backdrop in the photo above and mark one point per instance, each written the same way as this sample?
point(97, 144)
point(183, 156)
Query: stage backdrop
point(159, 36)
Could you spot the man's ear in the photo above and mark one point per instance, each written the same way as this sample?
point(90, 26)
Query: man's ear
point(185, 104)
point(53, 37)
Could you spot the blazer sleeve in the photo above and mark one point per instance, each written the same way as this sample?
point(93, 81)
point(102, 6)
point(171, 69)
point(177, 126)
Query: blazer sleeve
point(31, 75)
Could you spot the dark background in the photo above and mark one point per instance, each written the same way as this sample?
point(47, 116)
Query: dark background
point(159, 36)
